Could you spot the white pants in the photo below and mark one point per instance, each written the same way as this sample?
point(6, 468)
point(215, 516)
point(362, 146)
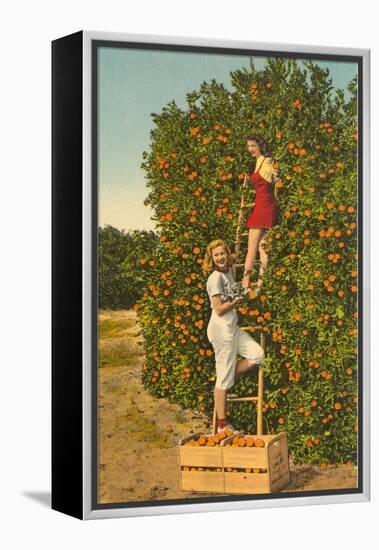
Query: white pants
point(226, 350)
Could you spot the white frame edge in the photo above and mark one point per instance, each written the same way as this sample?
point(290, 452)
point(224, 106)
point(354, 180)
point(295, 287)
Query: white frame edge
point(184, 508)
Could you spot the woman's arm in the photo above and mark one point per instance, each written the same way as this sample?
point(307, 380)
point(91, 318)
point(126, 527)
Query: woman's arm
point(221, 308)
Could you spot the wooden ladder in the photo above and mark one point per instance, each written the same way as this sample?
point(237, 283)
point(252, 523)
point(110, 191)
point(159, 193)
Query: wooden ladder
point(239, 232)
point(258, 400)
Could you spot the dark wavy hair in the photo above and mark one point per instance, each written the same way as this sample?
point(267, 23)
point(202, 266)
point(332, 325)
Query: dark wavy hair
point(263, 146)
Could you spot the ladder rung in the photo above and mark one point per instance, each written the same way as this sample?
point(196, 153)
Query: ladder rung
point(245, 234)
point(232, 398)
point(248, 205)
point(257, 327)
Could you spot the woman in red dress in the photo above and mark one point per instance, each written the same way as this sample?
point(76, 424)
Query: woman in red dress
point(265, 213)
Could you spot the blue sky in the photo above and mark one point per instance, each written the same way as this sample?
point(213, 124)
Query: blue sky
point(135, 83)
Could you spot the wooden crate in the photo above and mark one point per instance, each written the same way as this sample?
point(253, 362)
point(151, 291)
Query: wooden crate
point(271, 461)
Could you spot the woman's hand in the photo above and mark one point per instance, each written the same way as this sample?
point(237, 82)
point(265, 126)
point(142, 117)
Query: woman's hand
point(275, 176)
point(237, 300)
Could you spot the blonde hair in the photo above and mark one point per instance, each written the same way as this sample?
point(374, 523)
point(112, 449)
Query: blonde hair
point(208, 263)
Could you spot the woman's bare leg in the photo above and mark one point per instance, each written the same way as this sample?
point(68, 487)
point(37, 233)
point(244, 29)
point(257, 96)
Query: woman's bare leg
point(263, 257)
point(244, 365)
point(255, 236)
point(220, 402)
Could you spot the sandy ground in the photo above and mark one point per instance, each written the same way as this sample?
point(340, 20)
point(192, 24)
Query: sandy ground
point(139, 434)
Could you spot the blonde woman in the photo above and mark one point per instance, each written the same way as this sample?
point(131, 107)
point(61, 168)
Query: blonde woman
point(223, 332)
point(265, 213)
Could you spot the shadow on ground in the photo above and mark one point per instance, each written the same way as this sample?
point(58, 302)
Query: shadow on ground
point(41, 497)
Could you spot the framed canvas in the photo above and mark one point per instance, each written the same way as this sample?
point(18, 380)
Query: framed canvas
point(210, 275)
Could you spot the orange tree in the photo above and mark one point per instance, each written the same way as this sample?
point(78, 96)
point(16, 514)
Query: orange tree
point(308, 305)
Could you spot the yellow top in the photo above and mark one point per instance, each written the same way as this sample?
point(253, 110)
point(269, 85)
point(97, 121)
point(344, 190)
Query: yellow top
point(267, 170)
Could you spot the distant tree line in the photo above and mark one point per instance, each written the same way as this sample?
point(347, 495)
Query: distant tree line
point(121, 275)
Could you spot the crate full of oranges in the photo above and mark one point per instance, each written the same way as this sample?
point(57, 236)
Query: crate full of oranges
point(234, 463)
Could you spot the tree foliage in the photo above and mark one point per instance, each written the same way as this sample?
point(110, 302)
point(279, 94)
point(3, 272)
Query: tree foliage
point(121, 279)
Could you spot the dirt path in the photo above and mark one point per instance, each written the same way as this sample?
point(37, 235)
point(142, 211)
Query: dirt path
point(139, 434)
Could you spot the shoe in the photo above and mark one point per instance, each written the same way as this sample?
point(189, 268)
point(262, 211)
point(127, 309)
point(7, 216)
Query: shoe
point(228, 427)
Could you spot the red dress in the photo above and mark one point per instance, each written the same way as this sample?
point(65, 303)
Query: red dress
point(265, 213)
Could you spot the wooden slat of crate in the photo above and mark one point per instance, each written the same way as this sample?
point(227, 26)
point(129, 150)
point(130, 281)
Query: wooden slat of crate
point(244, 457)
point(277, 460)
point(200, 456)
point(208, 482)
point(249, 457)
point(243, 483)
